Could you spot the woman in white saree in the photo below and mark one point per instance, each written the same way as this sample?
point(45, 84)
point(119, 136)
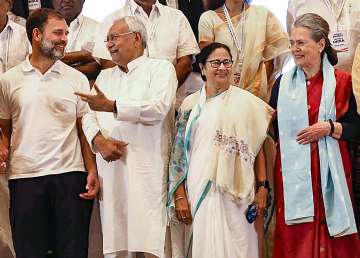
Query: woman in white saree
point(218, 147)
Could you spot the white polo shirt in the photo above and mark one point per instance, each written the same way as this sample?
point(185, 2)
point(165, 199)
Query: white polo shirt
point(348, 22)
point(14, 45)
point(82, 33)
point(169, 33)
point(43, 110)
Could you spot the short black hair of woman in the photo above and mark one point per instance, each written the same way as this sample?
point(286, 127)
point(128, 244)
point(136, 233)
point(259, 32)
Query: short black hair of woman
point(206, 51)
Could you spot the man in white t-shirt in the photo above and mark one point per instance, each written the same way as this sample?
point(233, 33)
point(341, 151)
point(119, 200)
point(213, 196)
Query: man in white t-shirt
point(343, 17)
point(81, 37)
point(40, 118)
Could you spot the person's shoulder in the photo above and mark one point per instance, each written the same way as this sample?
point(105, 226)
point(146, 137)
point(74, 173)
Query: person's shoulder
point(89, 21)
point(170, 10)
point(117, 14)
point(259, 9)
point(13, 75)
point(107, 73)
point(17, 28)
point(244, 94)
point(159, 63)
point(210, 13)
point(190, 101)
point(14, 71)
point(106, 76)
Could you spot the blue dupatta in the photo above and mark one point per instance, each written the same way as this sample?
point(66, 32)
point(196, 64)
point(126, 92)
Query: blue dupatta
point(296, 158)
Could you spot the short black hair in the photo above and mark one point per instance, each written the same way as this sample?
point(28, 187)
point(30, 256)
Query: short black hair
point(38, 19)
point(206, 51)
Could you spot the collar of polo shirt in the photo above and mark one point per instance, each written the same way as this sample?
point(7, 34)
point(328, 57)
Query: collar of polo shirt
point(27, 67)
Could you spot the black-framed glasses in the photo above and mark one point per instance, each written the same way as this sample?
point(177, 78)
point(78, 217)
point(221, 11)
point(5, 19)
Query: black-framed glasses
point(115, 36)
point(215, 63)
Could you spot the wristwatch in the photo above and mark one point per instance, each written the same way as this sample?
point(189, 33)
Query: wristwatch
point(264, 184)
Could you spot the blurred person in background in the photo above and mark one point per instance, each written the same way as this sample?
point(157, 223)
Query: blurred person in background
point(81, 38)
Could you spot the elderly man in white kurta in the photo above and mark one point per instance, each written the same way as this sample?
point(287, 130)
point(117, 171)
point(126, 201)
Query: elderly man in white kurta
point(134, 128)
point(14, 47)
point(170, 37)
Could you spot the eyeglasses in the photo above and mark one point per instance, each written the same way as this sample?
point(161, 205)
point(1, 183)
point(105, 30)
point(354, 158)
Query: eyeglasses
point(217, 62)
point(298, 44)
point(115, 36)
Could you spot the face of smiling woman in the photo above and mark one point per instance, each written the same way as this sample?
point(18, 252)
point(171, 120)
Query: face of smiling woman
point(218, 77)
point(305, 50)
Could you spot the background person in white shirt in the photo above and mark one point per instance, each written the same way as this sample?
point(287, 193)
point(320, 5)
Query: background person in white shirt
point(50, 192)
point(81, 37)
point(343, 17)
point(140, 112)
point(14, 45)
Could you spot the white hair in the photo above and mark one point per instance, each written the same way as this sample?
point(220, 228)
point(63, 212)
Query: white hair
point(135, 25)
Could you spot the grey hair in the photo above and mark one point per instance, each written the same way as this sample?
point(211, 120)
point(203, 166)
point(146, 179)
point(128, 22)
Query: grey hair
point(319, 30)
point(135, 25)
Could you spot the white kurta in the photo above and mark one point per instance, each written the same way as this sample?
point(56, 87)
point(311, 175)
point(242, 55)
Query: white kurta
point(220, 228)
point(82, 32)
point(133, 189)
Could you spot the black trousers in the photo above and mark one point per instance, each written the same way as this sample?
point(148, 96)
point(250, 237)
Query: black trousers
point(46, 213)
